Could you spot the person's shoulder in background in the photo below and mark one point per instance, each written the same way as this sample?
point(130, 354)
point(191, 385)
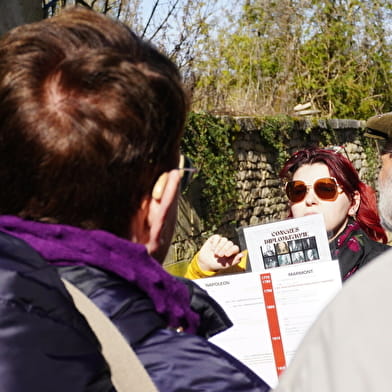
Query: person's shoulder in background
point(349, 346)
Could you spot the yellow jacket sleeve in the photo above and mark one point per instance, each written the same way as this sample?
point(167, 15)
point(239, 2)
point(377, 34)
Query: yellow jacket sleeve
point(195, 272)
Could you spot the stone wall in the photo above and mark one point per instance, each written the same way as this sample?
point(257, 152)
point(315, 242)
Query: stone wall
point(261, 196)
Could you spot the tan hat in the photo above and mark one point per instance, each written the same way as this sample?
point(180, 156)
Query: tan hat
point(380, 126)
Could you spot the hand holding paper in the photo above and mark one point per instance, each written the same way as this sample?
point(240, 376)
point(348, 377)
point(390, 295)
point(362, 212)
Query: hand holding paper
point(218, 253)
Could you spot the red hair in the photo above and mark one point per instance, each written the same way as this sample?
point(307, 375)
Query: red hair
point(347, 177)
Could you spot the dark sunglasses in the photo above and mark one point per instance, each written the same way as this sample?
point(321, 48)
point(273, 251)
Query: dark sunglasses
point(187, 171)
point(325, 188)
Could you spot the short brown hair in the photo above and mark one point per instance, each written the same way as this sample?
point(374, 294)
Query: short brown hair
point(91, 115)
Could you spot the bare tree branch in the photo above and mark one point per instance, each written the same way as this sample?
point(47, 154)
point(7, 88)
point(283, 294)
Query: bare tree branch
point(119, 9)
point(150, 17)
point(83, 3)
point(107, 7)
point(165, 20)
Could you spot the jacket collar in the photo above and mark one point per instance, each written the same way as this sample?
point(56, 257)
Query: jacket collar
point(69, 245)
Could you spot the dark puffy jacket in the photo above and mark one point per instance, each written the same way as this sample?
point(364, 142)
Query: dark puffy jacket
point(175, 361)
point(45, 344)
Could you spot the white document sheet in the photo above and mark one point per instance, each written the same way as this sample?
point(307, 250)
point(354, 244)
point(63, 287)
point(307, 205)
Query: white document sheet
point(271, 311)
point(286, 242)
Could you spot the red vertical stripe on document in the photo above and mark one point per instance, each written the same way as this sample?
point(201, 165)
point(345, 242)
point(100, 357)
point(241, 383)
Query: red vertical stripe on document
point(272, 316)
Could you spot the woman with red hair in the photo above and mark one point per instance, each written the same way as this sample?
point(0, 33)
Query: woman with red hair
point(322, 181)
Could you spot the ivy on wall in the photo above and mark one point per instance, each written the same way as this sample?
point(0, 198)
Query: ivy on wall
point(208, 142)
point(372, 153)
point(276, 131)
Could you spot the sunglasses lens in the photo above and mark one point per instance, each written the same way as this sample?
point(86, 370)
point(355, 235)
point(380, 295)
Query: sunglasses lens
point(326, 189)
point(296, 191)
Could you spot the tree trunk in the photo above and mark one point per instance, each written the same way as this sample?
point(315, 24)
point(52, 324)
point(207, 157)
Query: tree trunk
point(17, 12)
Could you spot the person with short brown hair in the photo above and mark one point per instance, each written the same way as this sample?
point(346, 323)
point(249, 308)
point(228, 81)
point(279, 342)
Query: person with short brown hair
point(91, 122)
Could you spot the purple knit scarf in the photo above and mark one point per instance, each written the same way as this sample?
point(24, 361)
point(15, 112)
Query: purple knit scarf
point(68, 245)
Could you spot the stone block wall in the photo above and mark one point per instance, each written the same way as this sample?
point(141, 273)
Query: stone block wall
point(261, 196)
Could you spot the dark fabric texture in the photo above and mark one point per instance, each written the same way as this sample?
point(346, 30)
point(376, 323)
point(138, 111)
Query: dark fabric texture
point(176, 361)
point(68, 245)
point(213, 318)
point(45, 344)
point(354, 249)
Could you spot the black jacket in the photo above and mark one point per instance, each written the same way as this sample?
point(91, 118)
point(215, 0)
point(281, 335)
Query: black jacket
point(175, 361)
point(354, 249)
point(45, 344)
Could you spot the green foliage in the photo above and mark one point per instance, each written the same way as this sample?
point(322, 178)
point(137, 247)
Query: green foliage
point(334, 54)
point(208, 142)
point(338, 62)
point(259, 57)
point(276, 131)
point(327, 137)
point(373, 160)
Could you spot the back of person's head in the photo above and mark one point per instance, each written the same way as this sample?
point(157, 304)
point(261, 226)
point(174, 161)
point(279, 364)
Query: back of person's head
point(347, 177)
point(91, 115)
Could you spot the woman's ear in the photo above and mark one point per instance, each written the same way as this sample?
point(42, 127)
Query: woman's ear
point(355, 203)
